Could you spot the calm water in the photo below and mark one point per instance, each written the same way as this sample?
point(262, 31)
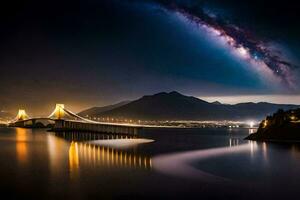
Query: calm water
point(190, 164)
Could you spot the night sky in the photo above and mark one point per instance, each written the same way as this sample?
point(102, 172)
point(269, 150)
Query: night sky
point(95, 52)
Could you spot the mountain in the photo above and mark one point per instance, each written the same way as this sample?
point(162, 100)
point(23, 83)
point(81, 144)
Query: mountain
point(216, 102)
point(175, 106)
point(96, 111)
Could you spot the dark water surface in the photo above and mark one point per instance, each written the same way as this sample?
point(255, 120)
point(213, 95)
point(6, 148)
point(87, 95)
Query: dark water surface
point(178, 164)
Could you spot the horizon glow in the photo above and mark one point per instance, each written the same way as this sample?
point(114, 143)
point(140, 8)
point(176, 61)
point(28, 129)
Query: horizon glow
point(234, 99)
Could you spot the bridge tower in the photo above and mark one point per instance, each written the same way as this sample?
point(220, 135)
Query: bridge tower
point(22, 115)
point(59, 111)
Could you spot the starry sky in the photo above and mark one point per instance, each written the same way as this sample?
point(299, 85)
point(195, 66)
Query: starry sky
point(95, 52)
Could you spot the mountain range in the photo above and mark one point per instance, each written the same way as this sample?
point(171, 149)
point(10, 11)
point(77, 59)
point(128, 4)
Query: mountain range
point(176, 106)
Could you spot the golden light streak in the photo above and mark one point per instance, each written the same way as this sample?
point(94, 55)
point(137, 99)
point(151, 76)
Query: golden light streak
point(59, 111)
point(22, 115)
point(21, 145)
point(265, 123)
point(105, 157)
point(73, 157)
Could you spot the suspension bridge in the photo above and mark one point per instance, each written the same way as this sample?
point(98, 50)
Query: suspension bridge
point(62, 119)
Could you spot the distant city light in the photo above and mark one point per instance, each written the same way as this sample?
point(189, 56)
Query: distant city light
point(293, 118)
point(251, 124)
point(265, 123)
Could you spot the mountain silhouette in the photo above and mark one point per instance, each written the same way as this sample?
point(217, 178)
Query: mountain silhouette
point(175, 106)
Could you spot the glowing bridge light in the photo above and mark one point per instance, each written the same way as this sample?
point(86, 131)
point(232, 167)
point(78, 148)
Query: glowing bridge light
point(22, 115)
point(265, 123)
point(59, 111)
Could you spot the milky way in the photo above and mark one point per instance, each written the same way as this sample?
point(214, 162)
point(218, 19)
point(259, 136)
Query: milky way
point(244, 43)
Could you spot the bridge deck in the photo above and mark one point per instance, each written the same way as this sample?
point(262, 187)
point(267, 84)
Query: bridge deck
point(112, 128)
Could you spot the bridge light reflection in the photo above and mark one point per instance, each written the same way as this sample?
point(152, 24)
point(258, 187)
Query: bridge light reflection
point(73, 158)
point(105, 157)
point(21, 146)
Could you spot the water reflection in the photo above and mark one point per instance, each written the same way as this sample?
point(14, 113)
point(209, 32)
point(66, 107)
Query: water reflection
point(264, 151)
point(253, 147)
point(191, 155)
point(233, 142)
point(95, 155)
point(252, 130)
point(78, 154)
point(21, 145)
point(73, 158)
point(91, 149)
point(295, 149)
point(261, 148)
